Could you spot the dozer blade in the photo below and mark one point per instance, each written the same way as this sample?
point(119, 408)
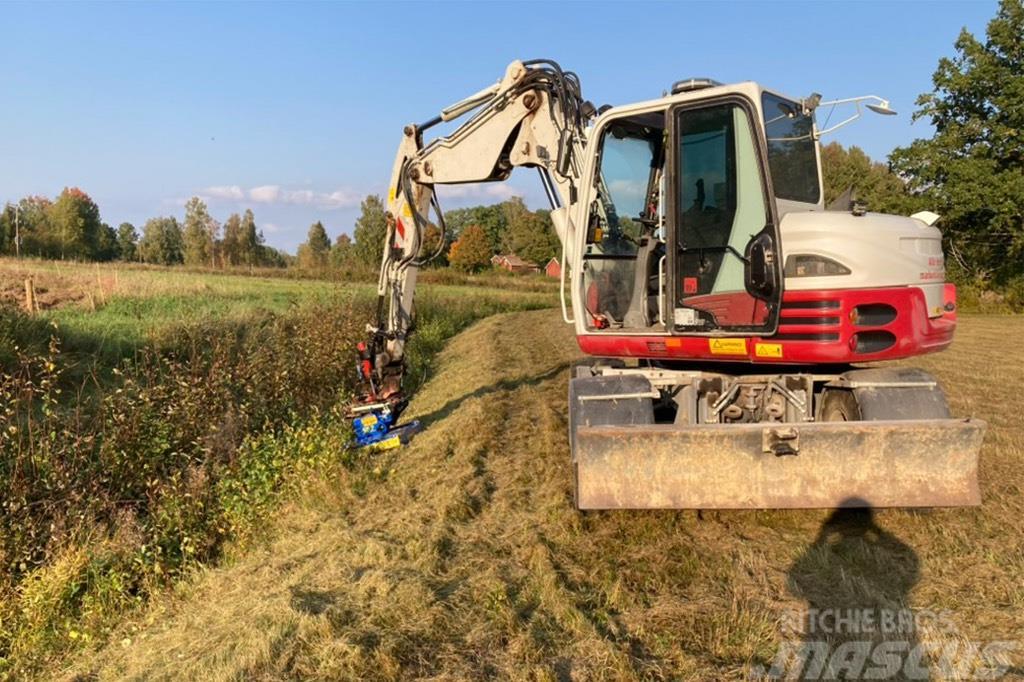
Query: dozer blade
point(913, 463)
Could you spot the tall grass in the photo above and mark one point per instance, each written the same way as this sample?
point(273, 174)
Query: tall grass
point(116, 492)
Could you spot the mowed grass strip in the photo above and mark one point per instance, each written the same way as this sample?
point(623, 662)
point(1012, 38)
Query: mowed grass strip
point(461, 557)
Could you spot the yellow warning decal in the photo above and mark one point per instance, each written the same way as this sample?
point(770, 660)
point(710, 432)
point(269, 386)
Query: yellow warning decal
point(391, 195)
point(406, 210)
point(768, 350)
point(388, 443)
point(728, 346)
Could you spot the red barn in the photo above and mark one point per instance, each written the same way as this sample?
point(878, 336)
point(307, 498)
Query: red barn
point(553, 269)
point(514, 264)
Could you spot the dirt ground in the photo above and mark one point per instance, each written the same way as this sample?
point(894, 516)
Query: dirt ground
point(52, 289)
point(465, 559)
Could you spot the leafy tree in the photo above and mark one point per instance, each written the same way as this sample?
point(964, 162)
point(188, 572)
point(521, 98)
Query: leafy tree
point(7, 228)
point(433, 247)
point(251, 239)
point(530, 235)
point(214, 242)
point(162, 242)
point(107, 247)
point(873, 183)
point(314, 251)
point(472, 251)
point(342, 251)
point(75, 225)
point(34, 227)
point(231, 246)
point(492, 219)
point(272, 258)
point(318, 240)
point(198, 233)
point(972, 170)
point(127, 242)
point(370, 231)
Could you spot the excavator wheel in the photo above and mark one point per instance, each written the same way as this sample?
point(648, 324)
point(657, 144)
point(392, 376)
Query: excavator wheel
point(884, 393)
point(839, 405)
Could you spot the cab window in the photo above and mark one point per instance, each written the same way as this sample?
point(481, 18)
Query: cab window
point(622, 228)
point(792, 156)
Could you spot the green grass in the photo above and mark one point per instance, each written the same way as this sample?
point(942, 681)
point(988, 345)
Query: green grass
point(124, 323)
point(105, 313)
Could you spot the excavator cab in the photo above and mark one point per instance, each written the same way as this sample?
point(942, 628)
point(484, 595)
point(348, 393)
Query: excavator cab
point(682, 236)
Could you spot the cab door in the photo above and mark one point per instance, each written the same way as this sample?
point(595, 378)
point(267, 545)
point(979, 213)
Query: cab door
point(723, 240)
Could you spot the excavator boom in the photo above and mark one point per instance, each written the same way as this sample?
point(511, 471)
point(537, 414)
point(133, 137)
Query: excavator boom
point(533, 117)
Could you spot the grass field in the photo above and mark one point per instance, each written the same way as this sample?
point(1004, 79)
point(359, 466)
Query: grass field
point(151, 427)
point(461, 557)
point(111, 310)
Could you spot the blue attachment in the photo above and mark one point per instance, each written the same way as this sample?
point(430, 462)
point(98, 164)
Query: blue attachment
point(376, 428)
point(373, 427)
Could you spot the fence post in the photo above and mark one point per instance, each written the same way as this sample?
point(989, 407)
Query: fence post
point(30, 296)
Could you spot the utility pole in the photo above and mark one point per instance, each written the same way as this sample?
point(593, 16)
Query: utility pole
point(17, 231)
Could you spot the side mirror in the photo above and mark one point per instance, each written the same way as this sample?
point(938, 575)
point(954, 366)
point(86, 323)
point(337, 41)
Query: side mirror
point(761, 272)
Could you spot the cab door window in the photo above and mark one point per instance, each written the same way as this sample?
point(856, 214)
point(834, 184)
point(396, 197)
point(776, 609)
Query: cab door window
point(721, 207)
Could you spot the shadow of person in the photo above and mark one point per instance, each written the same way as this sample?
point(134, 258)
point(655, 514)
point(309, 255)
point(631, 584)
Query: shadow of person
point(856, 578)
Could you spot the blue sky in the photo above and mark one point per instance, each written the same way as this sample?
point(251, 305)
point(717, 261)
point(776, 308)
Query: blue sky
point(295, 110)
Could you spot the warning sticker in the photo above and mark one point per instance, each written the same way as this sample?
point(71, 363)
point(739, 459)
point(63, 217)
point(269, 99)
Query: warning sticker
point(728, 346)
point(768, 350)
point(391, 195)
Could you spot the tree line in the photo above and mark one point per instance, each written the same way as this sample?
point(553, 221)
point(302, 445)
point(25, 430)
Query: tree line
point(473, 235)
point(70, 228)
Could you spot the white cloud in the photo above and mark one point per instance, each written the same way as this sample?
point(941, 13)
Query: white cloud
point(498, 191)
point(265, 194)
point(224, 192)
point(343, 197)
point(629, 188)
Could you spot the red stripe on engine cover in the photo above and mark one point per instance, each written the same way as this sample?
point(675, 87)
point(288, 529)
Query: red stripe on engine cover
point(807, 334)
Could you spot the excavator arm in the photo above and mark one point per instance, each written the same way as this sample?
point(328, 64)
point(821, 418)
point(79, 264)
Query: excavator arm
point(533, 117)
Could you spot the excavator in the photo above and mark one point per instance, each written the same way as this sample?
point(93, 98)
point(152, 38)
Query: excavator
point(727, 314)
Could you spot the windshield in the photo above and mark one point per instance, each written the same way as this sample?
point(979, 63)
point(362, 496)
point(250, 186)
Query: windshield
point(624, 180)
point(791, 149)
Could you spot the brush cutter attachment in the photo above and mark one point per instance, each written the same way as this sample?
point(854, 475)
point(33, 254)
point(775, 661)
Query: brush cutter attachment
point(890, 443)
point(375, 413)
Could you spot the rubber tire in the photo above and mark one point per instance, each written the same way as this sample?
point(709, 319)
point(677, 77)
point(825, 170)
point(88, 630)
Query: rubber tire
point(839, 405)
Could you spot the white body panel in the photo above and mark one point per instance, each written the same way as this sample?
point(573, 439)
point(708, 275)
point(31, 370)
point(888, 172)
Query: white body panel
point(880, 250)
